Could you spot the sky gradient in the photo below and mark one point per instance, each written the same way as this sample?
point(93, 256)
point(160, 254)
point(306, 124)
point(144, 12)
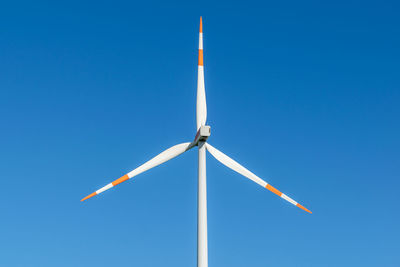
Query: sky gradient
point(304, 94)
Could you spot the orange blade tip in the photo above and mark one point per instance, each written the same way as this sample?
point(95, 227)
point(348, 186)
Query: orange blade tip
point(89, 196)
point(303, 208)
point(201, 24)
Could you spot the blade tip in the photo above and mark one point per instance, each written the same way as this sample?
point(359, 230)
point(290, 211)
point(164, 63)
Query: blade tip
point(89, 196)
point(201, 24)
point(303, 208)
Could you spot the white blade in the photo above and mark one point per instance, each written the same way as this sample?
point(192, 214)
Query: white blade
point(230, 163)
point(168, 154)
point(201, 106)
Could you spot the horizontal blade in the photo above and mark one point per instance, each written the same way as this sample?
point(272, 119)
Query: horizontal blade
point(168, 154)
point(230, 163)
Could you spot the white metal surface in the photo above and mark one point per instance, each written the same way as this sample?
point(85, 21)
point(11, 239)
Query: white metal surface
point(164, 156)
point(200, 41)
point(205, 131)
point(202, 244)
point(101, 190)
point(201, 106)
point(230, 163)
point(289, 199)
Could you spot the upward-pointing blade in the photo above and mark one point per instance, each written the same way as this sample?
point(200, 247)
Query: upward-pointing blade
point(164, 156)
point(230, 163)
point(201, 106)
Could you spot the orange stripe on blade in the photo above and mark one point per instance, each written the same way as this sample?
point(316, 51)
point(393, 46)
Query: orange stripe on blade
point(200, 57)
point(303, 208)
point(201, 24)
point(273, 190)
point(89, 196)
point(120, 180)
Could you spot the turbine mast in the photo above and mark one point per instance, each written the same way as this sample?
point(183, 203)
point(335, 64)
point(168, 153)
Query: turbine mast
point(202, 243)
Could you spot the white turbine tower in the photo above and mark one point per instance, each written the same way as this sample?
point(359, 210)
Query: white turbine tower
point(200, 140)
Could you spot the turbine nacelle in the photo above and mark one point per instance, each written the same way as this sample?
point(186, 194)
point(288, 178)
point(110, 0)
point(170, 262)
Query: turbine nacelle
point(202, 134)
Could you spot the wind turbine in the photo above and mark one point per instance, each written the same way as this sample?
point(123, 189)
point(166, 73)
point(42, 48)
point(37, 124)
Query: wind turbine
point(200, 140)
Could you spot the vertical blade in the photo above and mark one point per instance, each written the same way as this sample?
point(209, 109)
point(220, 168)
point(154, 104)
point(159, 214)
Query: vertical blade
point(201, 106)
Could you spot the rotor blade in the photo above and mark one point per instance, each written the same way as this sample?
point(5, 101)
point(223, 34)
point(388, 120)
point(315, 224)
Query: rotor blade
point(230, 163)
point(168, 154)
point(201, 106)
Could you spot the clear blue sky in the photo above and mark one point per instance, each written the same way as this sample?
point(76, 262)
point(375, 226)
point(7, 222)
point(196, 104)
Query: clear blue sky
point(304, 94)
